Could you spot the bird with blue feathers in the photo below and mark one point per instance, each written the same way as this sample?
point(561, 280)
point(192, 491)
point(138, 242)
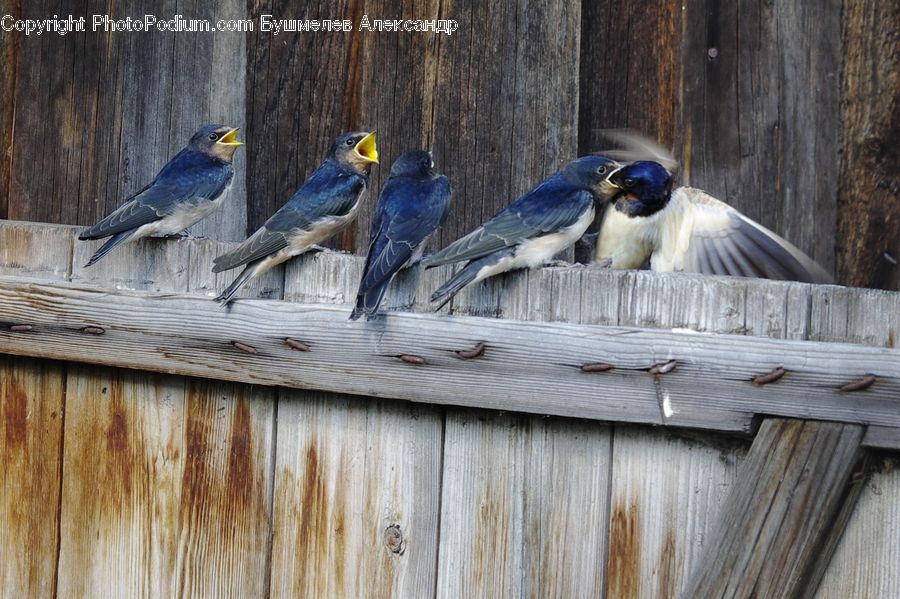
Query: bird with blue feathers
point(685, 229)
point(534, 228)
point(414, 202)
point(187, 189)
point(325, 204)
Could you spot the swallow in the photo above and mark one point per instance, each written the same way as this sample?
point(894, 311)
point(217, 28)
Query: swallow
point(531, 230)
point(324, 205)
point(688, 230)
point(187, 189)
point(414, 202)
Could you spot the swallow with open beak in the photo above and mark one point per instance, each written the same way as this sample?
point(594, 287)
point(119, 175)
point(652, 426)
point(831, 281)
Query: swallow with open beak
point(531, 230)
point(688, 230)
point(187, 189)
point(414, 202)
point(324, 205)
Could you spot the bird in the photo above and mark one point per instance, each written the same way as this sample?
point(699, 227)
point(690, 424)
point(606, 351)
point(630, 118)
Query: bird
point(187, 189)
point(531, 230)
point(413, 203)
point(324, 205)
point(686, 229)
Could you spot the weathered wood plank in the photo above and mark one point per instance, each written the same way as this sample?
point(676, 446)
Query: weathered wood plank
point(869, 184)
point(772, 526)
point(117, 107)
point(32, 404)
point(32, 409)
point(9, 45)
point(666, 492)
point(759, 100)
point(865, 563)
point(363, 474)
point(184, 334)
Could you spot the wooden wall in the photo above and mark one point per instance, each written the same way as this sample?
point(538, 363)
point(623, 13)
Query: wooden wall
point(784, 110)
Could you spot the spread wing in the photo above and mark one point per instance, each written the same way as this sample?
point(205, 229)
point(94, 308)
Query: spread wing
point(546, 209)
point(190, 177)
point(725, 242)
point(403, 220)
point(328, 193)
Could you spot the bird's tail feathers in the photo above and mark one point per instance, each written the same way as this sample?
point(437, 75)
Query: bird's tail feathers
point(111, 244)
point(250, 271)
point(448, 290)
point(369, 301)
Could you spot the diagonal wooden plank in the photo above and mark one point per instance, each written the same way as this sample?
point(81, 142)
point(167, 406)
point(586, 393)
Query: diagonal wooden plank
point(771, 528)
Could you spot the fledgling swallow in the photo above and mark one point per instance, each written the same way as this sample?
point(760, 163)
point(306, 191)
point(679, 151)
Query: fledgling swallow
point(688, 230)
point(531, 230)
point(187, 189)
point(414, 202)
point(324, 205)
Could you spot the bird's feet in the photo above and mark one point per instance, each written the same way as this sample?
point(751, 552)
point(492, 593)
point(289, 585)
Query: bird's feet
point(557, 263)
point(605, 263)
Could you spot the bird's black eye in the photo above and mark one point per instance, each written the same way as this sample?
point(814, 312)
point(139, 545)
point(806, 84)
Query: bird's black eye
point(213, 136)
point(629, 182)
point(601, 170)
point(350, 142)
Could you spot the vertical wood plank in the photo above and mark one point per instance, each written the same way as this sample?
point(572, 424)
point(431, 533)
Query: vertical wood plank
point(9, 45)
point(357, 481)
point(32, 404)
point(32, 411)
point(759, 101)
point(184, 460)
point(115, 107)
point(868, 211)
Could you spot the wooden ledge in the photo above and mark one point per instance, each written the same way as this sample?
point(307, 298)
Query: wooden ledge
point(661, 377)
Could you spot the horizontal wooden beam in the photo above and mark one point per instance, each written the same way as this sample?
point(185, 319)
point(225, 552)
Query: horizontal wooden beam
point(663, 377)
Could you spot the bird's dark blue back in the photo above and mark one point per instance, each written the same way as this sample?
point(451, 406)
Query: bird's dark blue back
point(189, 168)
point(330, 191)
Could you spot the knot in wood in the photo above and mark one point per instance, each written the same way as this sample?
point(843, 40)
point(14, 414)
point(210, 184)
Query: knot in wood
point(393, 539)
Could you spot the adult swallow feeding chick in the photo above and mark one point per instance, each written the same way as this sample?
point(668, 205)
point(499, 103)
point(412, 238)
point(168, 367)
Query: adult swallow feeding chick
point(187, 189)
point(688, 230)
point(324, 205)
point(414, 202)
point(531, 230)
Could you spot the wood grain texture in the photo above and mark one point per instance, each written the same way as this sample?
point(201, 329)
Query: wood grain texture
point(347, 470)
point(865, 563)
point(666, 492)
point(32, 411)
point(759, 102)
point(357, 480)
point(32, 406)
point(9, 46)
point(868, 212)
point(99, 113)
point(772, 526)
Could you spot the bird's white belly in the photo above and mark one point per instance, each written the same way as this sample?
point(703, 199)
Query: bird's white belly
point(300, 240)
point(181, 218)
point(540, 250)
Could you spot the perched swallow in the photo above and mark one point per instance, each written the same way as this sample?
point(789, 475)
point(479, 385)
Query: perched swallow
point(689, 230)
point(186, 190)
point(324, 205)
point(531, 230)
point(414, 202)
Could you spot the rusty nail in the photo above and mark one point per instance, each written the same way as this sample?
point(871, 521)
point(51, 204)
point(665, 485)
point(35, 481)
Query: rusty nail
point(20, 328)
point(769, 377)
point(663, 368)
point(393, 538)
point(244, 347)
point(858, 385)
point(93, 330)
point(596, 367)
point(294, 344)
point(411, 359)
point(472, 352)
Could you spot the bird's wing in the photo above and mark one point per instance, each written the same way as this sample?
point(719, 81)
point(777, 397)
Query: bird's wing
point(397, 233)
point(725, 242)
point(259, 245)
point(636, 146)
point(534, 214)
point(185, 179)
point(326, 194)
